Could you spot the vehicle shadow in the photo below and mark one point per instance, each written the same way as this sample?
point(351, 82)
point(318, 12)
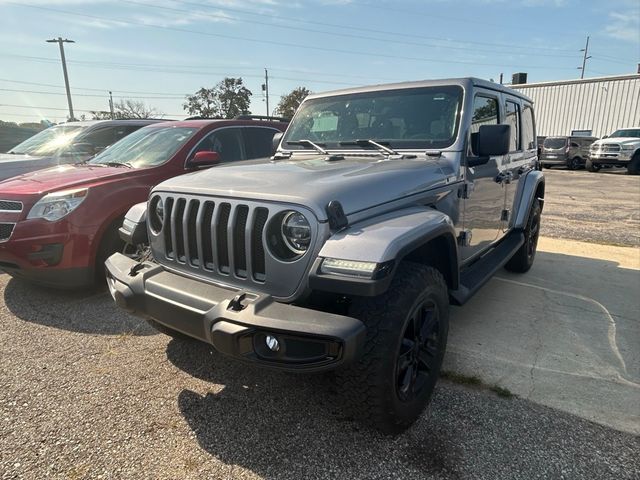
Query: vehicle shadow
point(272, 422)
point(290, 427)
point(93, 310)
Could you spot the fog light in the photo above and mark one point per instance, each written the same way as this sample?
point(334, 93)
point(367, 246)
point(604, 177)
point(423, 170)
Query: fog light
point(272, 343)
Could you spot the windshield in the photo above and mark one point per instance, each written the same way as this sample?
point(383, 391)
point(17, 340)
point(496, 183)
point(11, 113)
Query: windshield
point(418, 118)
point(631, 133)
point(555, 142)
point(147, 147)
point(48, 141)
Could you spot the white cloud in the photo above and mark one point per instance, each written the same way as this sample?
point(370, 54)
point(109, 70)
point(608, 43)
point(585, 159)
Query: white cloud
point(624, 26)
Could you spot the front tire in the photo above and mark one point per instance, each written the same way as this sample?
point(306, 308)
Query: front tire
point(591, 166)
point(633, 168)
point(391, 384)
point(523, 259)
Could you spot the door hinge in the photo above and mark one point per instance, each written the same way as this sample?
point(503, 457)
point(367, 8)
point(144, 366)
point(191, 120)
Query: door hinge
point(505, 215)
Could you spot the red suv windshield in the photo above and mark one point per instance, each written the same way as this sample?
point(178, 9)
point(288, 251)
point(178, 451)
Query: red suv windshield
point(147, 147)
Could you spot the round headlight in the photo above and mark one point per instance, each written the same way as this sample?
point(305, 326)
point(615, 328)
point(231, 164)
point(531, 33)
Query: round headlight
point(296, 232)
point(156, 214)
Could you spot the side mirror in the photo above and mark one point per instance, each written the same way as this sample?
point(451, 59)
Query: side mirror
point(205, 159)
point(275, 142)
point(605, 136)
point(492, 140)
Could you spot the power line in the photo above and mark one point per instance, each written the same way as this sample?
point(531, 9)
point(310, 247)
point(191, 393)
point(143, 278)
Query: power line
point(94, 95)
point(362, 29)
point(162, 69)
point(79, 110)
point(273, 42)
point(289, 26)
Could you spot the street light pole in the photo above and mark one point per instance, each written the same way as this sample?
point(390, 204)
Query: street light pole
point(60, 41)
point(111, 105)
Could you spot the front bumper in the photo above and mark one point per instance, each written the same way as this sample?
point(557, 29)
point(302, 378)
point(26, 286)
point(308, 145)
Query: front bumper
point(553, 160)
point(610, 158)
point(237, 323)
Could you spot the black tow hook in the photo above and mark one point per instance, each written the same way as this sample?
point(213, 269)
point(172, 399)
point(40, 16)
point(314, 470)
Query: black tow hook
point(135, 269)
point(236, 304)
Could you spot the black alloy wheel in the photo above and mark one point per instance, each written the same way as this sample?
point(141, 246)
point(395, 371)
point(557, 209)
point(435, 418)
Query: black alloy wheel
point(418, 351)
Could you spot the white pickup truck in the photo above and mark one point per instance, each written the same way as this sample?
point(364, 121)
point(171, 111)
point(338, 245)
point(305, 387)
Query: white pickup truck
point(620, 149)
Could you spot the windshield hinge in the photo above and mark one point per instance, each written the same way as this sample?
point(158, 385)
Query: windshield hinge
point(433, 153)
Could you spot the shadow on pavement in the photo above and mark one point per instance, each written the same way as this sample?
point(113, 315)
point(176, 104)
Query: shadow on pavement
point(272, 422)
point(285, 426)
point(84, 311)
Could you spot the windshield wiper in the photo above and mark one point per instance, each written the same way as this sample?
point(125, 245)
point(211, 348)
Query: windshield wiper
point(118, 164)
point(309, 143)
point(368, 141)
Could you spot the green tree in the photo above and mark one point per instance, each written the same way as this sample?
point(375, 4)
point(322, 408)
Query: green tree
point(227, 99)
point(290, 102)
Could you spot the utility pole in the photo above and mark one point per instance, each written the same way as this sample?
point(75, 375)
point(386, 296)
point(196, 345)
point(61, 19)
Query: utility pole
point(265, 89)
point(111, 105)
point(584, 58)
point(60, 41)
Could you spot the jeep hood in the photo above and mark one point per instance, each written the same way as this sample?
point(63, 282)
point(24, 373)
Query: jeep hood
point(58, 178)
point(357, 183)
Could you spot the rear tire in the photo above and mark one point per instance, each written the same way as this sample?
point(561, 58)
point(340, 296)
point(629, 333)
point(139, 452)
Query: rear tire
point(633, 168)
point(391, 384)
point(523, 259)
point(575, 163)
point(592, 167)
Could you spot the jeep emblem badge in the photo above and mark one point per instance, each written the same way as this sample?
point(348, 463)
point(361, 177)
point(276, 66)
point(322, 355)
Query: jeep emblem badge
point(272, 343)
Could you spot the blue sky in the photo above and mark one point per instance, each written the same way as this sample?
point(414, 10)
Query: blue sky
point(157, 51)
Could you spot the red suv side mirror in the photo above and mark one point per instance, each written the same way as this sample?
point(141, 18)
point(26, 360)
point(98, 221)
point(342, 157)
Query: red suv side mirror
point(205, 159)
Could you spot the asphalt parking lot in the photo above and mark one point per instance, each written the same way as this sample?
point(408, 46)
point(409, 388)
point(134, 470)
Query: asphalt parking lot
point(87, 391)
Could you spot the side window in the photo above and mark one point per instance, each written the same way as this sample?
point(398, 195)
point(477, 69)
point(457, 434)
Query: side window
point(123, 131)
point(513, 119)
point(258, 141)
point(226, 141)
point(528, 128)
point(485, 112)
point(100, 138)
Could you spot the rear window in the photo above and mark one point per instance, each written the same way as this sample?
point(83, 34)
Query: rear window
point(557, 142)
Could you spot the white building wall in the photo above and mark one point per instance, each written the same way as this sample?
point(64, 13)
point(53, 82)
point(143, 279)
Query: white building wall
point(601, 105)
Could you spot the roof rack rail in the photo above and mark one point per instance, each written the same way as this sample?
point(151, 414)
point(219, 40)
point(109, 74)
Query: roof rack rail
point(199, 117)
point(261, 117)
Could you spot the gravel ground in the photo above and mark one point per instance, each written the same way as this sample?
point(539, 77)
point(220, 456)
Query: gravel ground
point(593, 207)
point(89, 392)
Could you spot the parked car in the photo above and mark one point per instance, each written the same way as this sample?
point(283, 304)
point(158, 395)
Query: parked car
point(342, 253)
point(66, 143)
point(570, 151)
point(57, 226)
point(620, 149)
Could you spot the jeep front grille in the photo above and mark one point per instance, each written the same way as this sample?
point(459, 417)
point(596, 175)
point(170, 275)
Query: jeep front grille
point(224, 240)
point(6, 229)
point(10, 206)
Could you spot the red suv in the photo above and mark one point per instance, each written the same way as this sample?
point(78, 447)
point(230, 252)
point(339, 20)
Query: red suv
point(57, 226)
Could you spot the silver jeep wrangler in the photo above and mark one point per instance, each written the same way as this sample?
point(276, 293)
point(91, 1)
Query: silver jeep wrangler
point(380, 206)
